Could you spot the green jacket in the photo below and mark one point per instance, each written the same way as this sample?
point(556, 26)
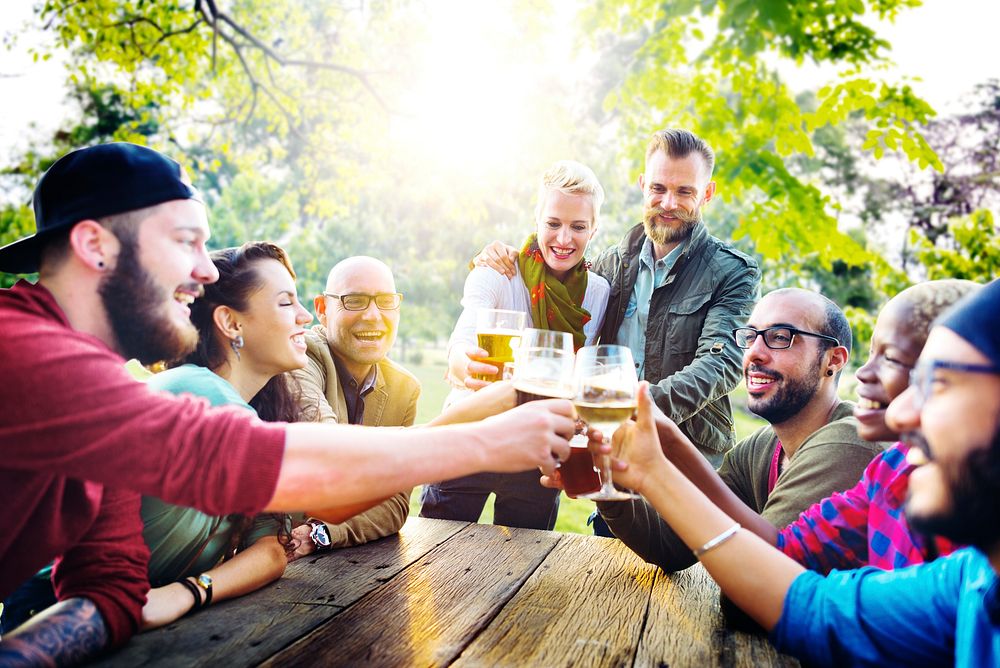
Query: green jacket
point(692, 362)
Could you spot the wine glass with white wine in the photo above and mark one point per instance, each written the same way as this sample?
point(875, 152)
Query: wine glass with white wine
point(606, 386)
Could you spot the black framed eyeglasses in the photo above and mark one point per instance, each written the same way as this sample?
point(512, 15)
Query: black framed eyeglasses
point(775, 338)
point(385, 301)
point(922, 375)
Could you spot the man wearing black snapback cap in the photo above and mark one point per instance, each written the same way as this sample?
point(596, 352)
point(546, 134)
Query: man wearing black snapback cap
point(120, 251)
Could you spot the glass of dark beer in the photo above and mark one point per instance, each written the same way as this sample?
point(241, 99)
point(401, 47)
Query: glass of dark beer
point(578, 473)
point(498, 332)
point(606, 385)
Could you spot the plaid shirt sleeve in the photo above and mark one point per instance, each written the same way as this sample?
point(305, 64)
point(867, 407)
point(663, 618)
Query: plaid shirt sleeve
point(834, 532)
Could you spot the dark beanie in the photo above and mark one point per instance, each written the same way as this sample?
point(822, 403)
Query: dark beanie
point(92, 183)
point(977, 320)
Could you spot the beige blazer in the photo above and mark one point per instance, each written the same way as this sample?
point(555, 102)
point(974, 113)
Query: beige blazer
point(392, 403)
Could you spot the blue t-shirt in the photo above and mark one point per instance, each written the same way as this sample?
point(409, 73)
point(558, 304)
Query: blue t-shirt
point(943, 613)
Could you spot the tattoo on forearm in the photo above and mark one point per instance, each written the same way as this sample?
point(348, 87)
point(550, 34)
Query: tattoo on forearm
point(67, 633)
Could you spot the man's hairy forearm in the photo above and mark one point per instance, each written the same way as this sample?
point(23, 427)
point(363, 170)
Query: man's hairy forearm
point(67, 633)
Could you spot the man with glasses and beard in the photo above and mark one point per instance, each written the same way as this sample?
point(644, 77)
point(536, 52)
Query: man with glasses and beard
point(946, 612)
point(794, 347)
point(120, 252)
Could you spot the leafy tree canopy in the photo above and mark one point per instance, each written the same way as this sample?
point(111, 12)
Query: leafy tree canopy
point(709, 65)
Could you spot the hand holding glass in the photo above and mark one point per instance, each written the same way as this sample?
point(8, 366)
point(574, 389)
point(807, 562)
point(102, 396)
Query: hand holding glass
point(606, 385)
point(543, 366)
point(498, 332)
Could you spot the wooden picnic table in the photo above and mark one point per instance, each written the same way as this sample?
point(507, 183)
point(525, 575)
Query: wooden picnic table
point(450, 593)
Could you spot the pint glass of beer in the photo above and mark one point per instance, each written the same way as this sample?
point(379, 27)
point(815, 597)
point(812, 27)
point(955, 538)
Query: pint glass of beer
point(578, 473)
point(498, 333)
point(543, 366)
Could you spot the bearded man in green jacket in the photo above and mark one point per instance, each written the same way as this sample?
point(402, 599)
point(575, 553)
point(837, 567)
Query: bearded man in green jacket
point(677, 293)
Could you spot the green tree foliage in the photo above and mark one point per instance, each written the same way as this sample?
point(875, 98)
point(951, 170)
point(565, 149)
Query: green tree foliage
point(289, 114)
point(15, 222)
point(286, 113)
point(707, 65)
point(971, 251)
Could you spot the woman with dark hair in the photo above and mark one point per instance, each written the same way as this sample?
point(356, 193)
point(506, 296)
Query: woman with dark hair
point(251, 330)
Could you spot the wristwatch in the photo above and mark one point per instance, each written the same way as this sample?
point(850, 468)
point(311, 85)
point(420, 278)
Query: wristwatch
point(320, 535)
point(205, 582)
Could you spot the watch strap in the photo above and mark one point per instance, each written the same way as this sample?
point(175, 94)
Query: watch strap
point(191, 587)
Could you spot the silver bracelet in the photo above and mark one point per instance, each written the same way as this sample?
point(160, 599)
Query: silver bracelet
point(717, 541)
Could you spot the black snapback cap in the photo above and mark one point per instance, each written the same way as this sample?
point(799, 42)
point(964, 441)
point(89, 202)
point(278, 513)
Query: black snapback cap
point(91, 183)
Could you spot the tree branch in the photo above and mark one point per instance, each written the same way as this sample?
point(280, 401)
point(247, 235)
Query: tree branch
point(217, 16)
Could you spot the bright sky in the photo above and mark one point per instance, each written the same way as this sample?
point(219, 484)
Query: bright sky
point(950, 44)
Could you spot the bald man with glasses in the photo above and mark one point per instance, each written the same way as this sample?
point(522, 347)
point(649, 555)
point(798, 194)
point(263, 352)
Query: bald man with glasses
point(794, 348)
point(349, 379)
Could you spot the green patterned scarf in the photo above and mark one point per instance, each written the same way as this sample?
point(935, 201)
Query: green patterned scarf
point(555, 304)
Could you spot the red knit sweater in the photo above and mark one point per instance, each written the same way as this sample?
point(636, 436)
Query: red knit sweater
point(80, 440)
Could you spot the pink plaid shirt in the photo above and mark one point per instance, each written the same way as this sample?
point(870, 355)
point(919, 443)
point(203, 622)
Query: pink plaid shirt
point(864, 526)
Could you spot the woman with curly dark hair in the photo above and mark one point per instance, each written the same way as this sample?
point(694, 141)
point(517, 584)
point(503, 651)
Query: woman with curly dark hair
point(251, 330)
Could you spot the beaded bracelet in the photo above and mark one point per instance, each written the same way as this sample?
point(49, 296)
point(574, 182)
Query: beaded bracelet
point(717, 541)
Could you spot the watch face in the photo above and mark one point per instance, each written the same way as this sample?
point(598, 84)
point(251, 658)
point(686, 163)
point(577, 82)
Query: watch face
point(205, 581)
point(320, 536)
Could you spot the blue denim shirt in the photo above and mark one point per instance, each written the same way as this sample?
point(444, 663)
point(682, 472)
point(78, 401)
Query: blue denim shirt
point(652, 275)
point(943, 613)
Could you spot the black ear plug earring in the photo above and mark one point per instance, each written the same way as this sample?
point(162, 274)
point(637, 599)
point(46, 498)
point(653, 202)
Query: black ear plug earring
point(829, 372)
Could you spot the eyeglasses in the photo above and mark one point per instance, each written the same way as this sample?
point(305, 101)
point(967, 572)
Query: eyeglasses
point(922, 376)
point(385, 301)
point(775, 338)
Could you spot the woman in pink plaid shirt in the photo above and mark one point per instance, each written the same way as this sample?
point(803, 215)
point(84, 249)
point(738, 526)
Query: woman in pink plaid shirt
point(866, 525)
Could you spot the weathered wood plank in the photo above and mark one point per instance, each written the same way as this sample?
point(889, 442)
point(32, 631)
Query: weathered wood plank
point(427, 614)
point(247, 630)
point(584, 606)
point(685, 627)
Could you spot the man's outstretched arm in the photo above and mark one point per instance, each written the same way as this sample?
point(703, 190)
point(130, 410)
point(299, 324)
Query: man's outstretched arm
point(68, 633)
point(336, 465)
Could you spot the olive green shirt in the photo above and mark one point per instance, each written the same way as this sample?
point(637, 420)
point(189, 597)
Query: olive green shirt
point(831, 459)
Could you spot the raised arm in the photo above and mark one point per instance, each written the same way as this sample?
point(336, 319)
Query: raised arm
point(484, 288)
point(682, 454)
point(327, 465)
point(639, 526)
point(750, 572)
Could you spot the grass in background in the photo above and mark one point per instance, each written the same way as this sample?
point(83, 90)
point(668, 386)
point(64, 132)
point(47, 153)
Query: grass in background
point(573, 513)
